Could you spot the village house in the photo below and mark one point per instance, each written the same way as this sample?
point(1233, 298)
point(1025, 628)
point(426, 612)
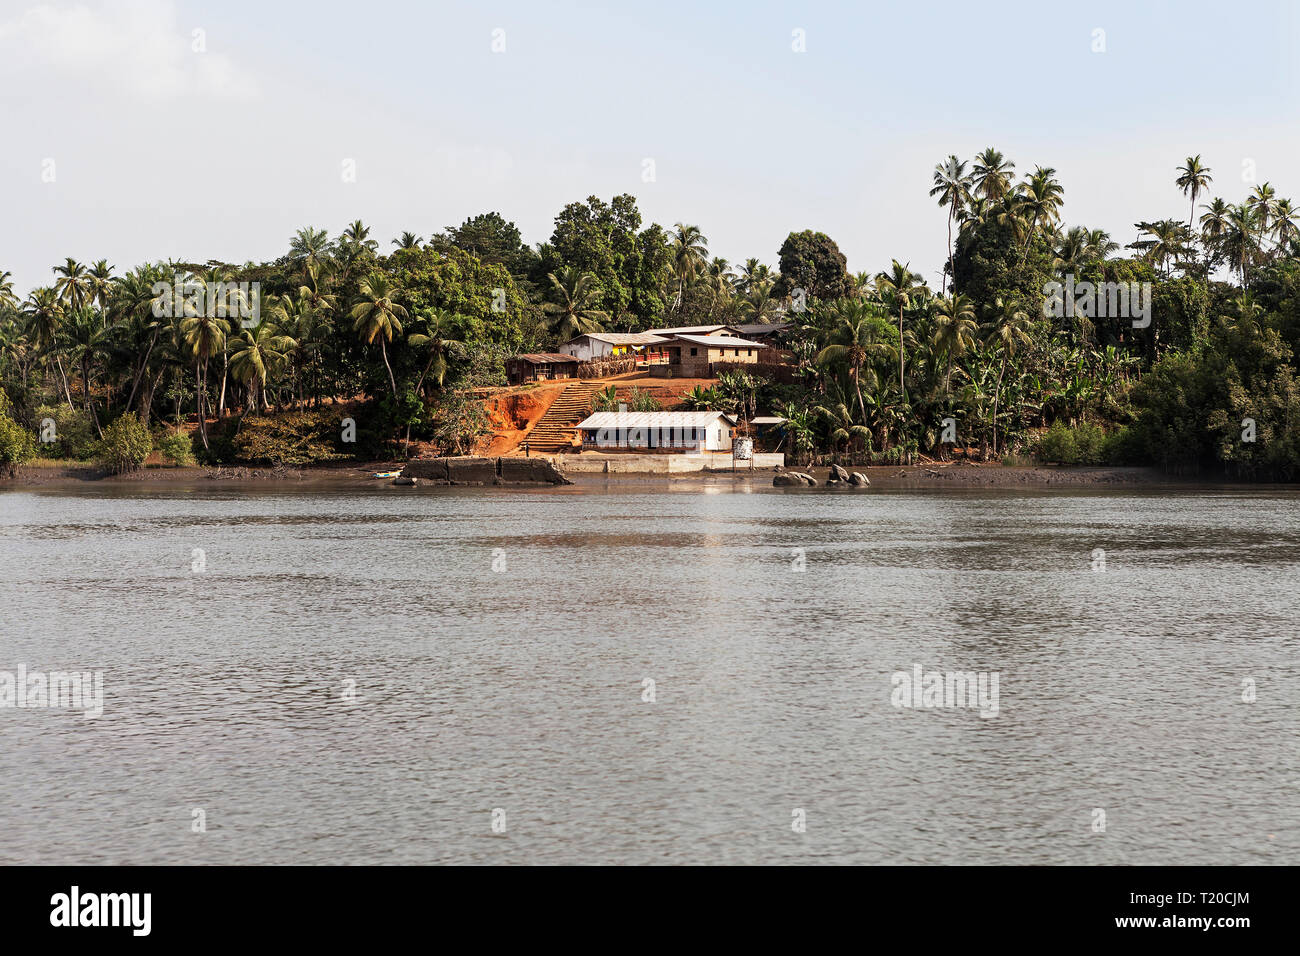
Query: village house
point(598, 345)
point(540, 367)
point(693, 356)
point(686, 432)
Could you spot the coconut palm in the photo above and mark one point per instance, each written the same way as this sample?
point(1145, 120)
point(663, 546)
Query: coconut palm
point(955, 328)
point(7, 296)
point(574, 311)
point(309, 246)
point(860, 336)
point(377, 314)
point(44, 315)
point(204, 335)
point(86, 338)
point(753, 273)
point(901, 287)
point(1007, 332)
point(1285, 229)
point(1193, 178)
point(408, 240)
point(951, 188)
point(435, 341)
point(100, 282)
point(73, 284)
point(1040, 200)
point(1240, 241)
point(258, 354)
point(1263, 201)
point(991, 174)
point(688, 252)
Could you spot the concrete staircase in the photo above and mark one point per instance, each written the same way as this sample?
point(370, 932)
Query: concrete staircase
point(553, 430)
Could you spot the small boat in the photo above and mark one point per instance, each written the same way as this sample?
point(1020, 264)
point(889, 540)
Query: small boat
point(385, 474)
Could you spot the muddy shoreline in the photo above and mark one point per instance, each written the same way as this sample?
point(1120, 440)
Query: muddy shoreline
point(353, 474)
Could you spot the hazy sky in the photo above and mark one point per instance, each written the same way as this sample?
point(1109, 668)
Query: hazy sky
point(158, 151)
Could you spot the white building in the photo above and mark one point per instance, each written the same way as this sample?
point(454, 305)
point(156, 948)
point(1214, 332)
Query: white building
point(676, 431)
point(596, 345)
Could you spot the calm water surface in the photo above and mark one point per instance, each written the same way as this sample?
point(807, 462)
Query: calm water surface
point(522, 688)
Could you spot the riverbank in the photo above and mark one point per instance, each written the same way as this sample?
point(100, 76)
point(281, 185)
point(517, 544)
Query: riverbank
point(357, 474)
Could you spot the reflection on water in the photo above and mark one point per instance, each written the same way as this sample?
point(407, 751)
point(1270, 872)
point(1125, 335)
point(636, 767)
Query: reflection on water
point(521, 688)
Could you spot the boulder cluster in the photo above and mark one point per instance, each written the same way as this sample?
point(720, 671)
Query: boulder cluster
point(837, 476)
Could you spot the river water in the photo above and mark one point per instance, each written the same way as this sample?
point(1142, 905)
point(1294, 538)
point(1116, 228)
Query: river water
point(630, 674)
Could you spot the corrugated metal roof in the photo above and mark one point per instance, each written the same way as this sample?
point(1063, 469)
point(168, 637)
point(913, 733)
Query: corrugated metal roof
point(545, 358)
point(720, 342)
point(768, 420)
point(690, 329)
point(620, 338)
point(761, 328)
point(652, 419)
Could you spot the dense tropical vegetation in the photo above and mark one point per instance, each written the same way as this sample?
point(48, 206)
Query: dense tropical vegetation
point(873, 365)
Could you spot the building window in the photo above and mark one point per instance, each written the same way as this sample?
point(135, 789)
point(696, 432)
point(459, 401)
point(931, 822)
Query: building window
point(693, 351)
point(749, 351)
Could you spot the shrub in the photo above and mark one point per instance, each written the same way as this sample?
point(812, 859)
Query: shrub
point(125, 445)
point(1057, 445)
point(177, 447)
point(459, 423)
point(72, 435)
point(293, 438)
point(17, 444)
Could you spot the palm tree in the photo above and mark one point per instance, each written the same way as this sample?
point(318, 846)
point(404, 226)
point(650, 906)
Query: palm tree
point(408, 240)
point(1100, 245)
point(1285, 228)
point(258, 354)
point(1240, 242)
point(44, 314)
point(100, 281)
point(1008, 331)
point(858, 340)
point(310, 246)
point(1169, 241)
point(991, 173)
point(1040, 200)
point(436, 340)
point(901, 286)
point(1193, 177)
point(689, 251)
point(574, 312)
point(7, 296)
point(204, 335)
point(377, 315)
point(73, 284)
point(1264, 202)
point(954, 331)
point(951, 188)
point(86, 337)
point(753, 273)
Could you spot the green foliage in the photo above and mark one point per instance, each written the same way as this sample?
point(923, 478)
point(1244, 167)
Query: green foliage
point(813, 262)
point(459, 423)
point(74, 435)
point(177, 448)
point(291, 438)
point(1082, 444)
point(454, 280)
point(125, 445)
point(17, 444)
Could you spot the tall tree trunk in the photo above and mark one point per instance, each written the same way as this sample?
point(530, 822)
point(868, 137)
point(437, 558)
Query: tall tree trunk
point(383, 350)
point(85, 393)
point(225, 368)
point(997, 394)
point(67, 393)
